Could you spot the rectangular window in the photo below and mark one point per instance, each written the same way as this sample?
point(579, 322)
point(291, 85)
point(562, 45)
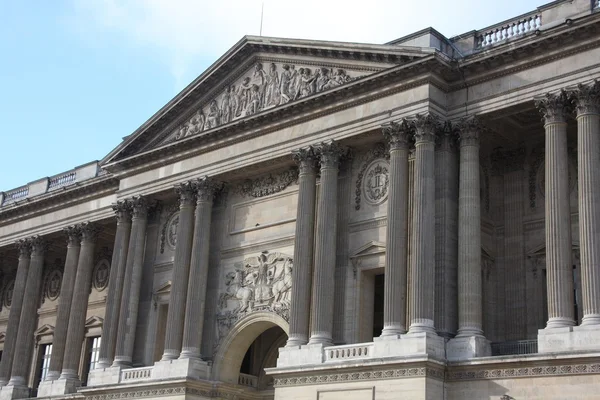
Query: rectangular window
point(45, 353)
point(92, 357)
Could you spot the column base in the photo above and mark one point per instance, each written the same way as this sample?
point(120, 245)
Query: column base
point(104, 376)
point(571, 338)
point(301, 355)
point(122, 361)
point(464, 348)
point(10, 392)
point(58, 387)
point(182, 368)
point(410, 344)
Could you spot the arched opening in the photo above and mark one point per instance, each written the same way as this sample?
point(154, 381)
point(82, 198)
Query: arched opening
point(248, 348)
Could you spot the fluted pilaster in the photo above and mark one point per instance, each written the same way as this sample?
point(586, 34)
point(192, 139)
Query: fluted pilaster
point(423, 268)
point(470, 320)
point(14, 315)
point(181, 270)
point(410, 233)
point(325, 251)
point(303, 247)
point(131, 286)
point(110, 328)
point(64, 302)
point(559, 270)
point(206, 189)
point(394, 303)
point(587, 102)
point(28, 321)
point(81, 293)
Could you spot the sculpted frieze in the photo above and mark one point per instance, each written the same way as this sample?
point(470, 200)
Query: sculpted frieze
point(267, 185)
point(265, 86)
point(259, 283)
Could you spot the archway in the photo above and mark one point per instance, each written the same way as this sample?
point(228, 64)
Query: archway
point(235, 344)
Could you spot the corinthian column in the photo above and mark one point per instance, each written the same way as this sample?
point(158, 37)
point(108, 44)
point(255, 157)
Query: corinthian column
point(27, 324)
point(394, 303)
point(64, 302)
point(423, 268)
point(559, 265)
point(115, 284)
point(181, 271)
point(81, 293)
point(133, 279)
point(14, 315)
point(303, 247)
point(587, 101)
point(325, 252)
point(206, 189)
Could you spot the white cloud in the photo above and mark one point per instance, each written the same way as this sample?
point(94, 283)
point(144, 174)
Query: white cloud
point(183, 31)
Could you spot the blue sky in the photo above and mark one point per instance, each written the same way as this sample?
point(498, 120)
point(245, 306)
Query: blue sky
point(79, 75)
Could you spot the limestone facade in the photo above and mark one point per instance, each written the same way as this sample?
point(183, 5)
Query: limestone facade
point(322, 220)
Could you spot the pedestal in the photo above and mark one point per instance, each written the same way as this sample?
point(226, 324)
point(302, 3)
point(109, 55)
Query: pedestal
point(570, 338)
point(104, 376)
point(308, 354)
point(413, 344)
point(188, 368)
point(464, 348)
point(58, 387)
point(10, 392)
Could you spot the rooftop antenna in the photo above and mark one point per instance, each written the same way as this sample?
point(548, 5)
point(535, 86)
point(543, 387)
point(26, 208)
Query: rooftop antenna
point(262, 8)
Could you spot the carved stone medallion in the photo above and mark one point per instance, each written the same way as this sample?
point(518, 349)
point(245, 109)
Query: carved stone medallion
point(376, 182)
point(378, 154)
point(170, 231)
point(101, 274)
point(7, 293)
point(53, 284)
point(259, 283)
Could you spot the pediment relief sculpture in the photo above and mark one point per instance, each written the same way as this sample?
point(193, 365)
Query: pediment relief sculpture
point(267, 185)
point(259, 283)
point(265, 86)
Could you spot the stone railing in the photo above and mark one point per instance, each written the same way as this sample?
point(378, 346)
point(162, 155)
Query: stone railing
point(519, 26)
point(348, 352)
point(48, 184)
point(136, 374)
point(248, 380)
point(515, 347)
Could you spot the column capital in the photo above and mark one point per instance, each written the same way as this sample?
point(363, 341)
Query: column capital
point(73, 233)
point(89, 232)
point(554, 107)
point(24, 246)
point(122, 209)
point(398, 134)
point(39, 245)
point(330, 154)
point(426, 126)
point(306, 158)
point(586, 98)
point(186, 192)
point(139, 207)
point(206, 189)
point(469, 129)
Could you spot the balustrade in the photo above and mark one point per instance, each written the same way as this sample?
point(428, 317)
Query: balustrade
point(509, 29)
point(136, 374)
point(62, 180)
point(248, 380)
point(346, 352)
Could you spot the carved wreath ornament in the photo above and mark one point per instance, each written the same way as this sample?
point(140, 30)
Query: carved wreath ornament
point(376, 182)
point(260, 283)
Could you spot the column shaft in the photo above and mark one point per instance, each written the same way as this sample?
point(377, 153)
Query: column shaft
point(325, 251)
point(410, 234)
point(196, 299)
point(181, 270)
point(303, 247)
point(131, 287)
point(28, 321)
point(64, 302)
point(394, 303)
point(559, 263)
point(470, 319)
point(81, 294)
point(423, 268)
point(588, 160)
point(14, 315)
point(115, 284)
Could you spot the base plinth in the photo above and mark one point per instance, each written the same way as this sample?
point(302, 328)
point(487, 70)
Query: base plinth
point(571, 338)
point(464, 348)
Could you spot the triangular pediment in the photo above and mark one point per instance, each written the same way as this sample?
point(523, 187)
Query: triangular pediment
point(368, 249)
point(44, 330)
point(93, 321)
point(2, 336)
point(164, 288)
point(256, 76)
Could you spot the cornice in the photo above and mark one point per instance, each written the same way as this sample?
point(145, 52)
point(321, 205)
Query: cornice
point(51, 201)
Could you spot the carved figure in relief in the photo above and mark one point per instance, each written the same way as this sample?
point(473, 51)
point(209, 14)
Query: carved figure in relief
point(272, 94)
point(212, 120)
point(183, 129)
point(285, 82)
point(306, 83)
point(197, 123)
point(254, 102)
point(236, 290)
point(322, 78)
point(259, 78)
point(243, 96)
point(281, 287)
point(226, 106)
point(234, 101)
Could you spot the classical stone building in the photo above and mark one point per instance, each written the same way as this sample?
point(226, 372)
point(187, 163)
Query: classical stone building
point(321, 220)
